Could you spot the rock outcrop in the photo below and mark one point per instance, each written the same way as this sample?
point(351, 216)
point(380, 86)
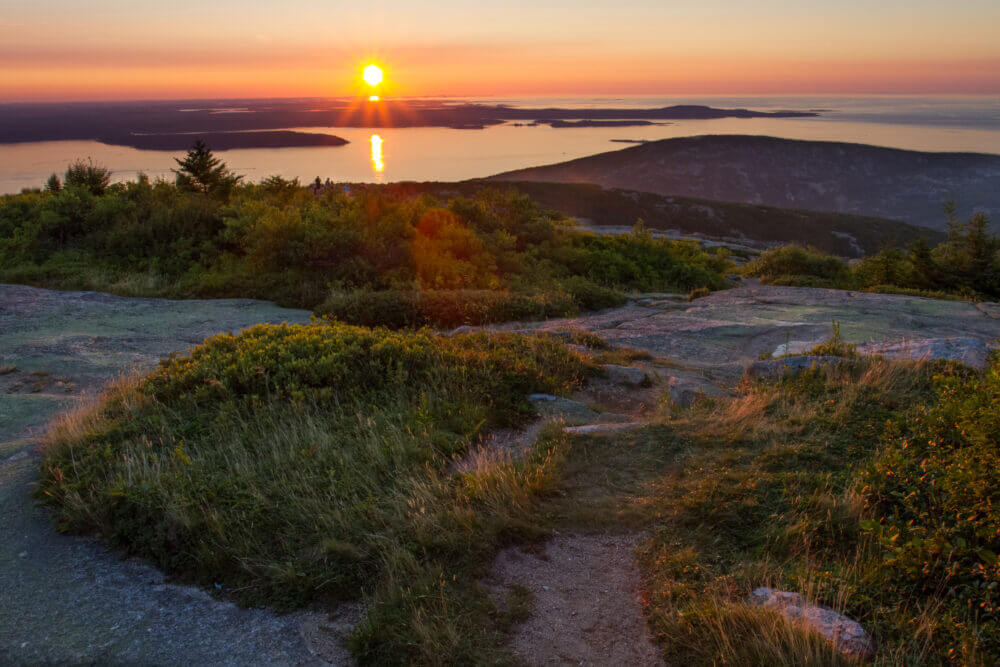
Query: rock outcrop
point(965, 350)
point(847, 635)
point(770, 369)
point(625, 375)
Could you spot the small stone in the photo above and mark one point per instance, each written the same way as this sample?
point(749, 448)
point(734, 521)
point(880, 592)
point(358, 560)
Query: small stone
point(604, 429)
point(625, 375)
point(23, 554)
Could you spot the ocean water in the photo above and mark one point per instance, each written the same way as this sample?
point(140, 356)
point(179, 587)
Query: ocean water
point(953, 123)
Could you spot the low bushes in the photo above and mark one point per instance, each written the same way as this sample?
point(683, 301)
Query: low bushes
point(795, 265)
point(443, 308)
point(296, 463)
point(281, 242)
point(934, 499)
point(966, 265)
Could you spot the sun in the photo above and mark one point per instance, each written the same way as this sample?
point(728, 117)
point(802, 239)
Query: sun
point(372, 75)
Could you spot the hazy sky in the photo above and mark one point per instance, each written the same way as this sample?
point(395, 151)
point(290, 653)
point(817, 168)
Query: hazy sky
point(124, 49)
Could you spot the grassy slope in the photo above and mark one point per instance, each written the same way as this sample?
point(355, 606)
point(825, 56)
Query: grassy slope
point(715, 219)
point(313, 463)
point(794, 485)
point(301, 463)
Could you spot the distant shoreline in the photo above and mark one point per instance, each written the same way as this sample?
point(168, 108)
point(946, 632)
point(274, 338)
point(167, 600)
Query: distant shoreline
point(114, 122)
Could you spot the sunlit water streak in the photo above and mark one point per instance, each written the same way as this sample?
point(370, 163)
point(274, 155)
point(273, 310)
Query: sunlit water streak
point(429, 153)
point(377, 164)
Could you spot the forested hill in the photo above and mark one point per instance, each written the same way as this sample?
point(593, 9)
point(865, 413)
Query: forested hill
point(866, 180)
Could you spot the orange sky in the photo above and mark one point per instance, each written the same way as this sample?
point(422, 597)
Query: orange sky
point(111, 49)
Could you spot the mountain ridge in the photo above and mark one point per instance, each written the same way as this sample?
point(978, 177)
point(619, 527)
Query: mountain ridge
point(859, 179)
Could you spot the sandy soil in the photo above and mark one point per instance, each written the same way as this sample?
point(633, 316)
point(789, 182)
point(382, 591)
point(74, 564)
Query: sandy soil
point(586, 607)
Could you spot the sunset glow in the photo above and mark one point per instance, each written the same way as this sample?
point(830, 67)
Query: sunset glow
point(111, 50)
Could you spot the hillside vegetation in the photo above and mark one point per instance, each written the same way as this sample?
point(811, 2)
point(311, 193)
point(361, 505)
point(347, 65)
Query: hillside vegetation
point(816, 175)
point(965, 265)
point(841, 234)
point(868, 486)
point(492, 255)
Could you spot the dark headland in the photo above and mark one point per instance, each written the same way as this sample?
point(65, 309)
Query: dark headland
point(224, 141)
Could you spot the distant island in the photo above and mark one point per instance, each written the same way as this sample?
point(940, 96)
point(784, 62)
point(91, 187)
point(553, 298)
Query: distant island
point(116, 120)
point(224, 141)
point(596, 123)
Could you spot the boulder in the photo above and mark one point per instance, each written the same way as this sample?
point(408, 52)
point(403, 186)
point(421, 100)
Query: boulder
point(847, 635)
point(625, 375)
point(965, 350)
point(556, 407)
point(771, 369)
point(604, 429)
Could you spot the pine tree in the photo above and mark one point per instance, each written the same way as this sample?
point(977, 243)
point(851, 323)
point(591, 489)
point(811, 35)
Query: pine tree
point(201, 171)
point(925, 270)
point(981, 251)
point(53, 184)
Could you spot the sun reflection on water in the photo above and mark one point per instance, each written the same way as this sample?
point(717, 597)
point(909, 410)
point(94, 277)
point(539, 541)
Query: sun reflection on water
point(377, 164)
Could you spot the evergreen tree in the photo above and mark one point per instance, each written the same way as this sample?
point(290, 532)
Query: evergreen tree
point(88, 175)
point(53, 184)
point(201, 171)
point(926, 274)
point(981, 255)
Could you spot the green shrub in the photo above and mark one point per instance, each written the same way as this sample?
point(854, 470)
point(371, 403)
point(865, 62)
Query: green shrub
point(934, 499)
point(835, 346)
point(698, 292)
point(588, 295)
point(792, 261)
point(443, 308)
point(291, 463)
point(966, 265)
point(88, 176)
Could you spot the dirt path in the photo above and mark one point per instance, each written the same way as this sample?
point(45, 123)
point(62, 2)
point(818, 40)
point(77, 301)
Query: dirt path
point(585, 609)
